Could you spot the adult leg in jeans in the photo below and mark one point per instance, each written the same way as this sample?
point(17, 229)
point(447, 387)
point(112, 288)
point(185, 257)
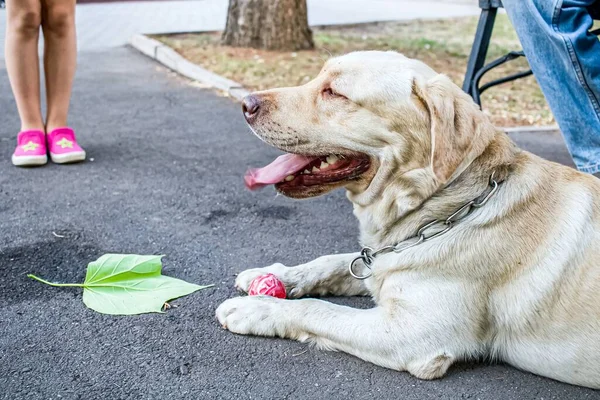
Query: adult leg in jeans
point(565, 59)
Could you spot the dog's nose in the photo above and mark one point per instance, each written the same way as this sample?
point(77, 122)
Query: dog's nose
point(250, 106)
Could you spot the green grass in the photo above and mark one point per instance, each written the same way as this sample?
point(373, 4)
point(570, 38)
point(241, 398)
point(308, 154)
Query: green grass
point(444, 45)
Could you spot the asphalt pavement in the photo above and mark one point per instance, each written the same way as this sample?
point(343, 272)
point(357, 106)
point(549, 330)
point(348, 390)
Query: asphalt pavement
point(164, 176)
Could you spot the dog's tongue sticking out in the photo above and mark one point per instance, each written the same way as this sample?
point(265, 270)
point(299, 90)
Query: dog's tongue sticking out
point(277, 171)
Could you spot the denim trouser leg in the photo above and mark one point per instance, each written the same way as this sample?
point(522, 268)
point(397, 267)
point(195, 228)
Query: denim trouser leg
point(565, 59)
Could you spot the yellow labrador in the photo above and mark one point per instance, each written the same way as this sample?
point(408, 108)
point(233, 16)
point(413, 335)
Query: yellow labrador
point(509, 271)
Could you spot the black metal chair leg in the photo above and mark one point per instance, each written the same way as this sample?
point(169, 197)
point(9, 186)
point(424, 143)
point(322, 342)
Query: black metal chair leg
point(476, 67)
point(480, 45)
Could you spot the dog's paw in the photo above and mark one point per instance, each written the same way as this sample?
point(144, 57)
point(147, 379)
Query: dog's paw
point(245, 278)
point(253, 315)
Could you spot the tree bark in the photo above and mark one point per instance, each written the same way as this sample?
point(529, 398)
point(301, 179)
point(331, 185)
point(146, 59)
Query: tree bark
point(268, 24)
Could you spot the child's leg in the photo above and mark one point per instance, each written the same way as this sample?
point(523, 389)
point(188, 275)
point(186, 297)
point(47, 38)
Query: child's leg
point(60, 58)
point(22, 63)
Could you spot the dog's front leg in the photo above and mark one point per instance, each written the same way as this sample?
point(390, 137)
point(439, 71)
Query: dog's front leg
point(375, 335)
point(323, 276)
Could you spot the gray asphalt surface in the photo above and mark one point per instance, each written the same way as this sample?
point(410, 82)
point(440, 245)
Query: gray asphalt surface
point(166, 179)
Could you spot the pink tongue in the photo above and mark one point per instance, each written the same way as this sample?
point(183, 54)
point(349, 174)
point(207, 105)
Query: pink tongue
point(276, 172)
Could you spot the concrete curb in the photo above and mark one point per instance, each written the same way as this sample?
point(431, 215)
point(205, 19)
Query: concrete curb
point(172, 60)
point(533, 129)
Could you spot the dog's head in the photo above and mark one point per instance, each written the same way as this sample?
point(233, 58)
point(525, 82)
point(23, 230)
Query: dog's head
point(365, 113)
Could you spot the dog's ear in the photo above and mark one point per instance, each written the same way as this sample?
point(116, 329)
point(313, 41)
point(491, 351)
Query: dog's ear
point(458, 128)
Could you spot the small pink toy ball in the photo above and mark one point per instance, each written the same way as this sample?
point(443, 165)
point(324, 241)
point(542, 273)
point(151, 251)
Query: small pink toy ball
point(267, 285)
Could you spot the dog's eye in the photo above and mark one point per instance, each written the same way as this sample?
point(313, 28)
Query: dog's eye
point(329, 92)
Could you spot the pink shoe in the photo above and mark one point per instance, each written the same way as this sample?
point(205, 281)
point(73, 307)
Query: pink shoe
point(63, 146)
point(31, 149)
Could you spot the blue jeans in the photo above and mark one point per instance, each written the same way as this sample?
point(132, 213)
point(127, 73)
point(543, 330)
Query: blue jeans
point(565, 59)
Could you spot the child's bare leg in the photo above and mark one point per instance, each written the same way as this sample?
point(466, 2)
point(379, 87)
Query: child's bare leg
point(60, 58)
point(22, 62)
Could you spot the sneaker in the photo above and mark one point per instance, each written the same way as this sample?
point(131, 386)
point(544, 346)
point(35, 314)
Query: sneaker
point(63, 146)
point(31, 149)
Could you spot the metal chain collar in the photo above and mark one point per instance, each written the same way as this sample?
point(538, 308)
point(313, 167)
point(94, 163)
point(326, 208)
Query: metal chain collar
point(426, 232)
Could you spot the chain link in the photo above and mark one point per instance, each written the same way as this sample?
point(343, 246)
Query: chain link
point(426, 232)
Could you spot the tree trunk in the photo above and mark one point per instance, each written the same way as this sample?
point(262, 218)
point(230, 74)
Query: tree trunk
point(268, 24)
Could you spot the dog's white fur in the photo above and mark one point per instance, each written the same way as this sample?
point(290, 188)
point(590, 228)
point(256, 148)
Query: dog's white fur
point(518, 280)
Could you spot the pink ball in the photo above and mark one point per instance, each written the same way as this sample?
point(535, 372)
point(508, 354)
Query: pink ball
point(267, 285)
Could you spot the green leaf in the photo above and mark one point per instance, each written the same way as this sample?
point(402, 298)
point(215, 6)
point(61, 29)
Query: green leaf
point(125, 284)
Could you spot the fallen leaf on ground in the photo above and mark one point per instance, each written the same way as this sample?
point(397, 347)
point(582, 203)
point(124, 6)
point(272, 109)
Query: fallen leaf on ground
point(125, 284)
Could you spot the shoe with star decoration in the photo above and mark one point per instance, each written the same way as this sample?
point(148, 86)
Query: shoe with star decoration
point(31, 149)
point(63, 146)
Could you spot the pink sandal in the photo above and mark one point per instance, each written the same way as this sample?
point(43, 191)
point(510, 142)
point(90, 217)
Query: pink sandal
point(31, 149)
point(63, 146)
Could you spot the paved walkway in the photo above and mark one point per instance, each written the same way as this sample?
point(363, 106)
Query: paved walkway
point(166, 179)
point(109, 25)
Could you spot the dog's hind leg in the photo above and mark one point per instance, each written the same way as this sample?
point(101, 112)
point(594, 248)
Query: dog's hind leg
point(327, 275)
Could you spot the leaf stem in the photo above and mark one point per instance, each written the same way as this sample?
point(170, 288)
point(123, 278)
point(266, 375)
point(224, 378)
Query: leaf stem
point(54, 284)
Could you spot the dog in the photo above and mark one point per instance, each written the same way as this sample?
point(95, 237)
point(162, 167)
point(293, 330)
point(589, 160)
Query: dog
point(471, 247)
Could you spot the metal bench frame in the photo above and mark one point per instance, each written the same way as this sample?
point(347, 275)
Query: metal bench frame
point(476, 67)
